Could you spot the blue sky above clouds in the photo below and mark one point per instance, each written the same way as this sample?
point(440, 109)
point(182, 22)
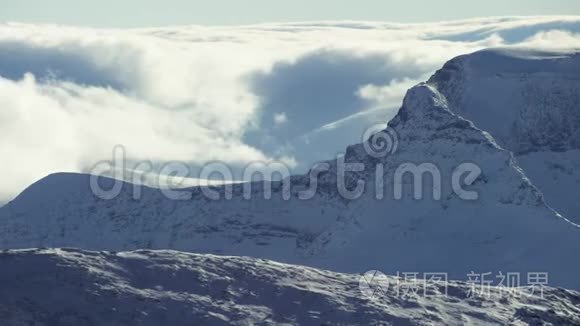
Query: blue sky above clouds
point(139, 13)
point(291, 92)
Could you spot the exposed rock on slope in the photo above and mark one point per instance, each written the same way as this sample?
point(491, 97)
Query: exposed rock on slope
point(73, 287)
point(529, 101)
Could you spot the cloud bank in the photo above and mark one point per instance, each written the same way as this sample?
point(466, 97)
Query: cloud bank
point(295, 93)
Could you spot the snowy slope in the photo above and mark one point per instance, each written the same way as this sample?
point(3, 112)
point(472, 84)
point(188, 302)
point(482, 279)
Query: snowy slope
point(529, 101)
point(508, 228)
point(557, 175)
point(73, 287)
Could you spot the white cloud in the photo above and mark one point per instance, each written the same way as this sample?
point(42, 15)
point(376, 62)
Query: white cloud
point(553, 39)
point(280, 118)
point(388, 95)
point(68, 95)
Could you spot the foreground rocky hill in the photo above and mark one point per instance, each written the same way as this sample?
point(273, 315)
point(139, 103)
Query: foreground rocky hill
point(74, 287)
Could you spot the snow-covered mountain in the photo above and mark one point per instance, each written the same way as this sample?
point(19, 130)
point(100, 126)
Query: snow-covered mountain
point(174, 288)
point(530, 103)
point(507, 228)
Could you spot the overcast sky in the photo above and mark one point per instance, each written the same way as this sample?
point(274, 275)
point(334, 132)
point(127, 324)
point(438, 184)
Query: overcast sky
point(139, 13)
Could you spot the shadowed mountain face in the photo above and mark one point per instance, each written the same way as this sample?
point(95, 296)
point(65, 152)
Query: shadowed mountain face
point(529, 101)
point(506, 227)
point(173, 288)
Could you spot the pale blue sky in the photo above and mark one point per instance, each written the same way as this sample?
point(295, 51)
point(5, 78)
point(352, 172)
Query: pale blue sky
point(134, 13)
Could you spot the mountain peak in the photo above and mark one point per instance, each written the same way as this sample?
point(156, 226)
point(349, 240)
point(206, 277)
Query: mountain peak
point(498, 229)
point(528, 100)
point(423, 96)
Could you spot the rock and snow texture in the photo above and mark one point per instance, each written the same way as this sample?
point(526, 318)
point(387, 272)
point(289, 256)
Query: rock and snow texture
point(529, 101)
point(74, 287)
point(507, 228)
